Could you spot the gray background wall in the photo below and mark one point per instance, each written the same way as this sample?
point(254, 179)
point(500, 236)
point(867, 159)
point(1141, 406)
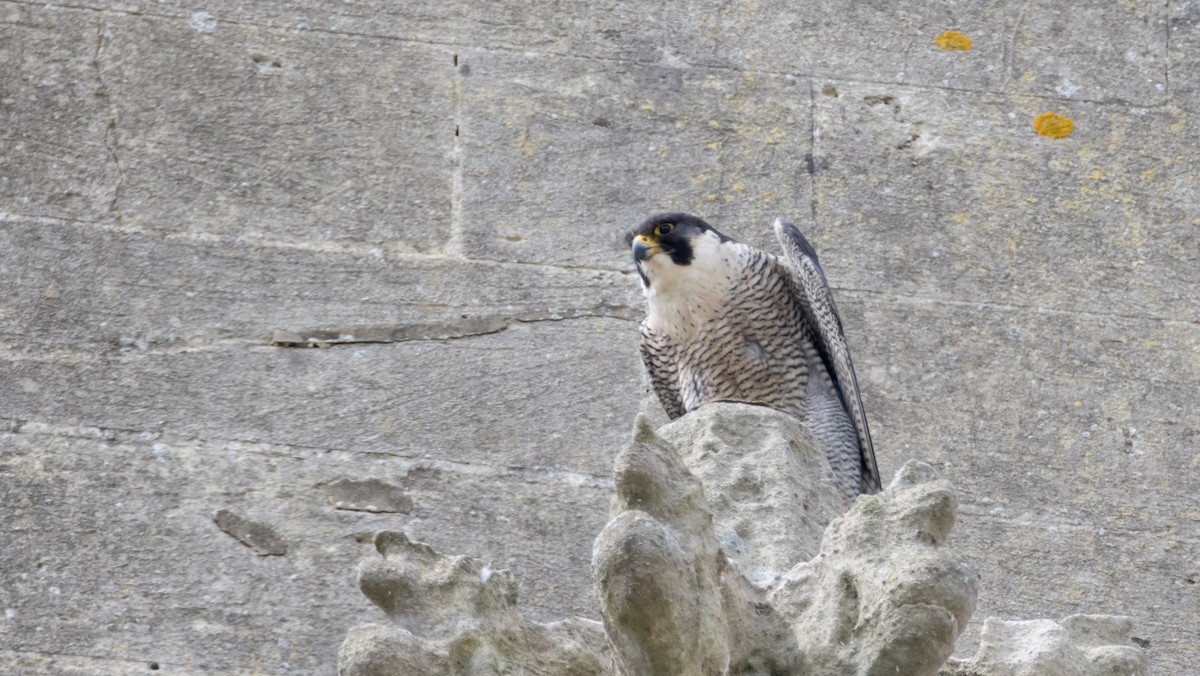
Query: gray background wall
point(441, 188)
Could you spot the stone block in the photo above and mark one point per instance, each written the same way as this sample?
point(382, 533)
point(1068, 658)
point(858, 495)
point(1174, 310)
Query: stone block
point(249, 132)
point(57, 133)
point(641, 138)
point(114, 563)
point(415, 399)
point(967, 203)
point(1042, 51)
point(610, 29)
point(82, 288)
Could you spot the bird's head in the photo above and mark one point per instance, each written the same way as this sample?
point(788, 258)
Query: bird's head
point(665, 243)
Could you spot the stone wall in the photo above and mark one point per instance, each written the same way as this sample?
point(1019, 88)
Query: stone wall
point(433, 194)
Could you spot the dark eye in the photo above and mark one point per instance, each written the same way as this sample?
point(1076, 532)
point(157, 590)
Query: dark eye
point(663, 229)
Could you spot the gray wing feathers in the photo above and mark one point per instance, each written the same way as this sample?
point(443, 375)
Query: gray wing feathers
point(658, 356)
point(817, 301)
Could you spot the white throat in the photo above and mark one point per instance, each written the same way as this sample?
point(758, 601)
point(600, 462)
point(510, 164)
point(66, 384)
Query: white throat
point(682, 298)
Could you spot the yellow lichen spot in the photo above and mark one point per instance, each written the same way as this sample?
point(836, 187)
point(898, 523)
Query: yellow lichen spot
point(1096, 174)
point(1053, 125)
point(1137, 234)
point(1078, 404)
point(738, 186)
point(711, 196)
point(526, 144)
point(749, 78)
point(648, 106)
point(1149, 174)
point(715, 124)
point(962, 218)
point(953, 40)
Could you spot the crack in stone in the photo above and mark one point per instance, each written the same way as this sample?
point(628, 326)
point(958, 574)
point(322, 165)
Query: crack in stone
point(455, 245)
point(812, 150)
point(271, 449)
point(1014, 306)
point(341, 247)
point(59, 655)
point(110, 133)
point(466, 327)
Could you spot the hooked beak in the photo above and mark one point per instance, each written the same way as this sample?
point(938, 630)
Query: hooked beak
point(644, 248)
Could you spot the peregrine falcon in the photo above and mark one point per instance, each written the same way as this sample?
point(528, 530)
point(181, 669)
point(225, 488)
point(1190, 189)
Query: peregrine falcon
point(726, 322)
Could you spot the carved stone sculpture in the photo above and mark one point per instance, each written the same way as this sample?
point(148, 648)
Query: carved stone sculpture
point(714, 563)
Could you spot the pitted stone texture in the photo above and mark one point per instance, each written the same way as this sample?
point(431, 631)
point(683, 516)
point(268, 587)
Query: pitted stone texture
point(771, 495)
point(885, 595)
point(1009, 409)
point(660, 573)
point(1077, 645)
point(453, 614)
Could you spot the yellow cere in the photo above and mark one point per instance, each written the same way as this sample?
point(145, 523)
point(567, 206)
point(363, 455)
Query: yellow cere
point(953, 40)
point(1053, 125)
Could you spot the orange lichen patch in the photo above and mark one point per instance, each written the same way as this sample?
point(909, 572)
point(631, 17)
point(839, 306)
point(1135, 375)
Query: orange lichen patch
point(953, 40)
point(1053, 125)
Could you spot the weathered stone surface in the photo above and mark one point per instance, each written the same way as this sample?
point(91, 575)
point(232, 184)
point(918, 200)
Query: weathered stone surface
point(278, 135)
point(1096, 426)
point(610, 29)
point(392, 399)
point(884, 595)
point(767, 489)
point(938, 227)
point(452, 614)
point(732, 151)
point(129, 299)
point(371, 495)
point(1184, 41)
point(1078, 645)
point(1045, 51)
point(260, 537)
point(81, 287)
point(160, 583)
point(16, 662)
point(57, 157)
